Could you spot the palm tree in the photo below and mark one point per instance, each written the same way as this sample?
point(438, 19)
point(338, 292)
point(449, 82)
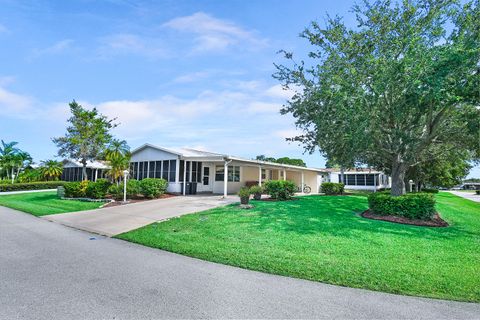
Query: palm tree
point(117, 148)
point(117, 165)
point(51, 169)
point(20, 161)
point(12, 158)
point(118, 157)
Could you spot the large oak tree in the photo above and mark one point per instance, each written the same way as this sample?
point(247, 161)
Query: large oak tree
point(400, 88)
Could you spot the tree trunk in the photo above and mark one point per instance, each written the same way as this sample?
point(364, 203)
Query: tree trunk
point(342, 174)
point(84, 169)
point(399, 170)
point(408, 186)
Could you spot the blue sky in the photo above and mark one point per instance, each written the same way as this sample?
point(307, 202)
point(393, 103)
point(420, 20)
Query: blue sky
point(173, 73)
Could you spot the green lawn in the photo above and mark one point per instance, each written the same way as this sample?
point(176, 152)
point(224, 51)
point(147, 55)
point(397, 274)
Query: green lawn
point(43, 203)
point(322, 238)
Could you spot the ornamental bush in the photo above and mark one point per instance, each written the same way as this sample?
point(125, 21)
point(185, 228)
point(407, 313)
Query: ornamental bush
point(330, 188)
point(153, 188)
point(8, 186)
point(97, 189)
point(74, 190)
point(280, 189)
point(133, 190)
point(412, 205)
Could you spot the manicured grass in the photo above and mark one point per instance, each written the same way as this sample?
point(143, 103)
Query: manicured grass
point(44, 203)
point(322, 238)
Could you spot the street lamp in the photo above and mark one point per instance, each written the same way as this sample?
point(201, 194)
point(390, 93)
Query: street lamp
point(125, 175)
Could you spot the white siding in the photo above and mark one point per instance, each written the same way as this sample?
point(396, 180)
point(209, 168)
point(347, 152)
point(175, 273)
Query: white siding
point(152, 154)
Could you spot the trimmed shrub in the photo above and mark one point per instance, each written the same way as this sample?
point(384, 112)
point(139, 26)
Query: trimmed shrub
point(30, 186)
point(280, 189)
point(133, 190)
point(256, 191)
point(412, 205)
point(98, 189)
point(74, 190)
point(244, 195)
point(332, 188)
point(153, 188)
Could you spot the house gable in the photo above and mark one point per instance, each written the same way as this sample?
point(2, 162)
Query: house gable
point(151, 153)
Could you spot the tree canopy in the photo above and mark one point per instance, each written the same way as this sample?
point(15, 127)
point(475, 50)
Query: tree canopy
point(284, 160)
point(398, 90)
point(87, 136)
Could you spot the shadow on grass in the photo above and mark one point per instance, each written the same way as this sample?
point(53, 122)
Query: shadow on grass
point(334, 215)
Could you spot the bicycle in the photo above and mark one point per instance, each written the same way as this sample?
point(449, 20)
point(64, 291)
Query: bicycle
point(306, 189)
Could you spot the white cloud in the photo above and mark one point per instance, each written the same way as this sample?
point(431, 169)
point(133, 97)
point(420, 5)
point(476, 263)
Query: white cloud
point(126, 43)
point(289, 133)
point(56, 48)
point(212, 34)
point(277, 91)
point(192, 77)
point(14, 103)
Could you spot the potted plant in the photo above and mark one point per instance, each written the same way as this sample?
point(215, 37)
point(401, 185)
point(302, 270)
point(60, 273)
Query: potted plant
point(256, 191)
point(244, 195)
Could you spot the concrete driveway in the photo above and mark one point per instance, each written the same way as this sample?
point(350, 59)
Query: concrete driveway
point(111, 221)
point(467, 195)
point(49, 271)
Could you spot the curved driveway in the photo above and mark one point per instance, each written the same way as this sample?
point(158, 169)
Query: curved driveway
point(49, 271)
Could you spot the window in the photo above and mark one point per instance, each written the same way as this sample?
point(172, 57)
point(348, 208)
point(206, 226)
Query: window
point(360, 179)
point(219, 172)
point(166, 168)
point(350, 179)
point(206, 176)
point(369, 180)
point(264, 174)
point(233, 173)
point(151, 169)
point(173, 169)
point(196, 171)
point(158, 169)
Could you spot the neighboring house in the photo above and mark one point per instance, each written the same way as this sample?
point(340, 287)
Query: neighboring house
point(72, 170)
point(189, 168)
point(361, 179)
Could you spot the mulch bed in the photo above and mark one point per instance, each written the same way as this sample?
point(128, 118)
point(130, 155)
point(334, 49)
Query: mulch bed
point(119, 202)
point(275, 200)
point(435, 222)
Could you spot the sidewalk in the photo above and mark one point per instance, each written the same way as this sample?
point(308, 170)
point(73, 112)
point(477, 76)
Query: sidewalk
point(470, 196)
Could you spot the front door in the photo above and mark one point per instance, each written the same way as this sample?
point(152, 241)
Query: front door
point(207, 183)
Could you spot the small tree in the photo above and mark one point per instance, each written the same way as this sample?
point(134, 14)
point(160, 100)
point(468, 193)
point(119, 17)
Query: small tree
point(118, 156)
point(87, 136)
point(51, 169)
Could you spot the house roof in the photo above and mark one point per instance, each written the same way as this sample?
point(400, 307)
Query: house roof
point(199, 154)
point(90, 164)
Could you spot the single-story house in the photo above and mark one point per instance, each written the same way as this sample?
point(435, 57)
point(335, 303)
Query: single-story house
point(72, 170)
point(186, 168)
point(360, 179)
point(189, 171)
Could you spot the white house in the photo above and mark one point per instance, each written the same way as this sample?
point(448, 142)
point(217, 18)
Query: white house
point(360, 179)
point(188, 168)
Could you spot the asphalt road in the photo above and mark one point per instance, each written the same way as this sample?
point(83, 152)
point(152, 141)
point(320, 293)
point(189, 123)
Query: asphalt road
point(49, 271)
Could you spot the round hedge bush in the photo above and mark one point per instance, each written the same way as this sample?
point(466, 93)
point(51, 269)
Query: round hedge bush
point(412, 205)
